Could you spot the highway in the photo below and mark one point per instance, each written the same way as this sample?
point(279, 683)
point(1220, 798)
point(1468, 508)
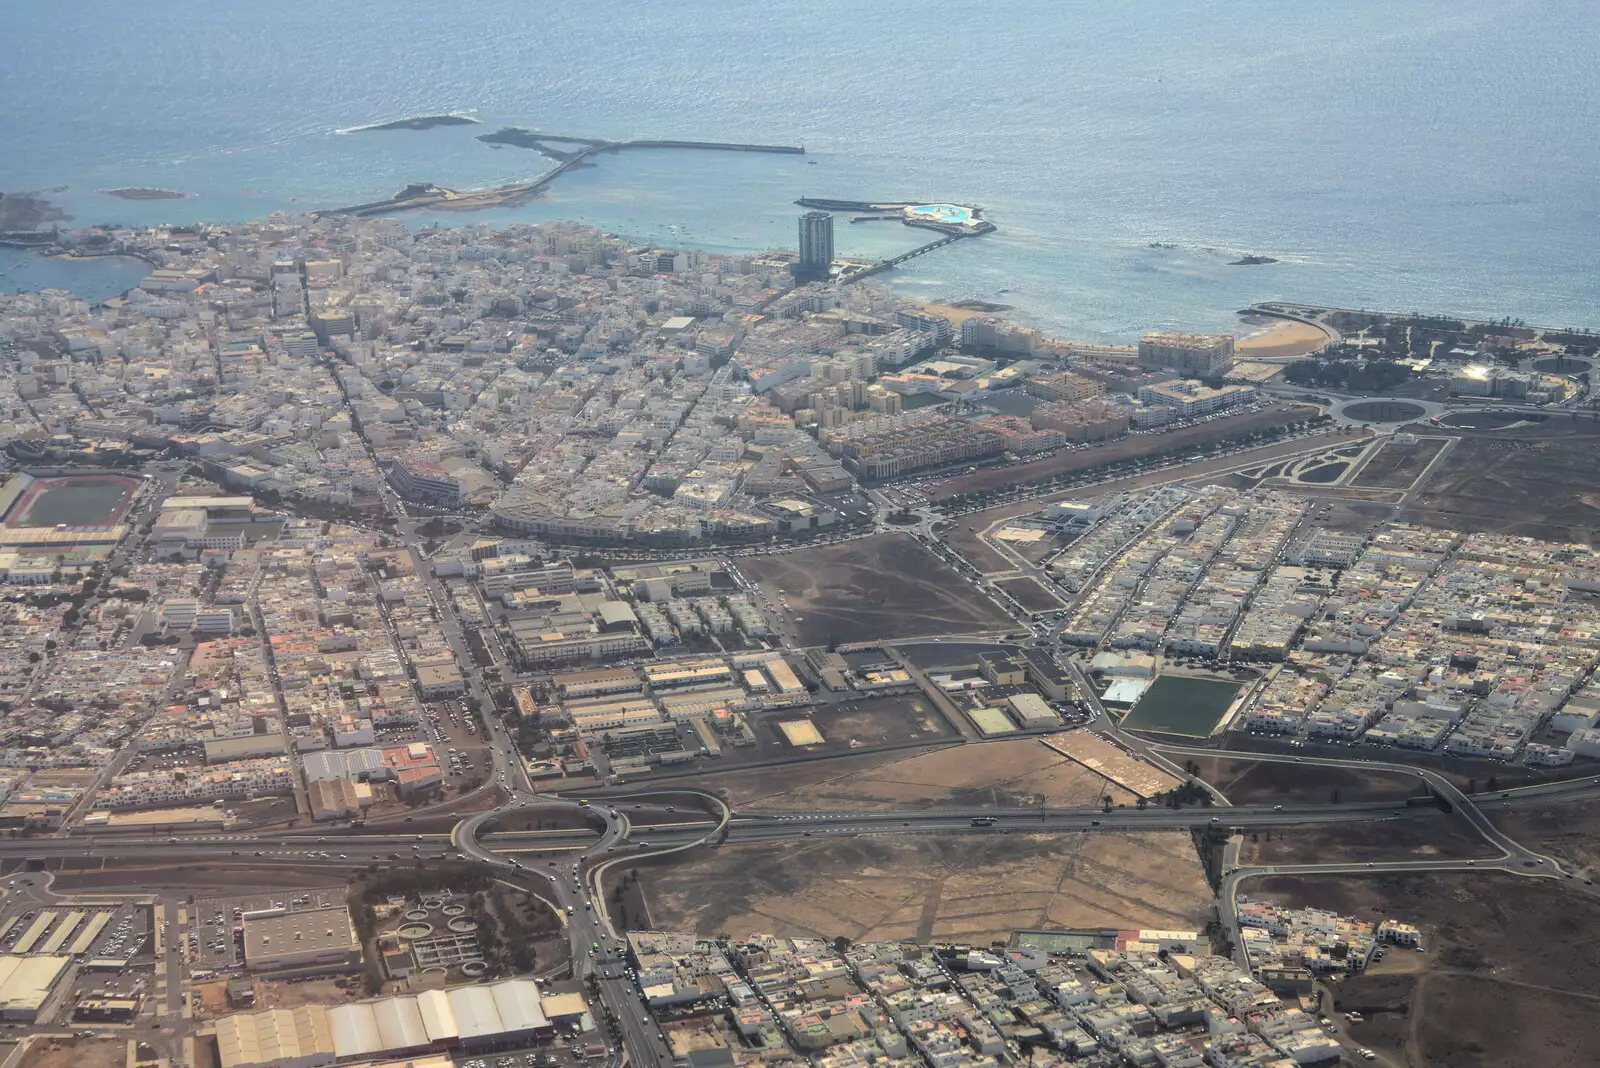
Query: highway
point(617, 836)
point(572, 863)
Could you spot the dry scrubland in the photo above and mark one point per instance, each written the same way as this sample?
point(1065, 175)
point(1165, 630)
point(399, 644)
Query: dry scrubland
point(973, 888)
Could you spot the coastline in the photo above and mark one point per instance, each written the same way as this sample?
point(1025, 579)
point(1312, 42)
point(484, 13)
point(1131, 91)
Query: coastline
point(1278, 339)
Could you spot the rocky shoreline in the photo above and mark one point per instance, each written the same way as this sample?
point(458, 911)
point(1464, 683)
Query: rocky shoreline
point(29, 211)
point(419, 122)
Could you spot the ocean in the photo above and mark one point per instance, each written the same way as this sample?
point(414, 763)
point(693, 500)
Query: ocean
point(1398, 154)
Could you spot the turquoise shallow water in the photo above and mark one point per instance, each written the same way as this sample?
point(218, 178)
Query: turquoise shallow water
point(1405, 154)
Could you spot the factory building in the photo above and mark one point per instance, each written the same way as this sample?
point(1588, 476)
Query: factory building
point(320, 940)
point(26, 983)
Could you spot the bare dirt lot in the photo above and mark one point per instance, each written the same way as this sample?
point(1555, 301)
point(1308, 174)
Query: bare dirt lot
point(1414, 837)
point(973, 888)
point(1141, 445)
point(1007, 774)
point(1568, 832)
point(76, 1053)
point(1032, 595)
point(1255, 782)
point(883, 587)
point(1397, 466)
point(1509, 976)
point(1534, 481)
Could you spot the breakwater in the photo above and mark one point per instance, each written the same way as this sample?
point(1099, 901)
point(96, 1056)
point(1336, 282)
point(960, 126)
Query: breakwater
point(421, 195)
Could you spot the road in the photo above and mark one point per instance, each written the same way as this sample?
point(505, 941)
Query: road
point(573, 880)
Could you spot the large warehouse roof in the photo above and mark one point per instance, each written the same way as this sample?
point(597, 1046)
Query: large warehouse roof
point(273, 1035)
point(25, 982)
point(411, 1022)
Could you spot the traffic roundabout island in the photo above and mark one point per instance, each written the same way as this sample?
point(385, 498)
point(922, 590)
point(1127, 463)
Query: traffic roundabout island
point(1563, 365)
point(1383, 411)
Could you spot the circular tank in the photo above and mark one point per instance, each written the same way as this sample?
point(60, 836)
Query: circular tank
point(454, 910)
point(417, 914)
point(462, 925)
point(474, 968)
point(414, 931)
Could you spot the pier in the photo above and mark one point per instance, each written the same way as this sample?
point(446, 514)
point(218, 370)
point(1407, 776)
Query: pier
point(421, 195)
point(920, 250)
point(954, 221)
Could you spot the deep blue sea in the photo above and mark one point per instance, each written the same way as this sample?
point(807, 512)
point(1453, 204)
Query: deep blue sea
point(1400, 154)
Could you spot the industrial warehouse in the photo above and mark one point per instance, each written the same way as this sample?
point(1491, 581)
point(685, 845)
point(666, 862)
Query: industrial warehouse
point(471, 1018)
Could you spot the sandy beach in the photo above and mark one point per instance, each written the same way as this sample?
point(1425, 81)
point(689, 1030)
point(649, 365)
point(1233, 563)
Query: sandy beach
point(957, 316)
point(1279, 337)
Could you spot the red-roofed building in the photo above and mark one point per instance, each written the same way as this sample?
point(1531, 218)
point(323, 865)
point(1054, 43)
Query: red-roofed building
point(413, 767)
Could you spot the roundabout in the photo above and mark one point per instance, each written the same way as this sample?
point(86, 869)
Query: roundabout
point(1384, 410)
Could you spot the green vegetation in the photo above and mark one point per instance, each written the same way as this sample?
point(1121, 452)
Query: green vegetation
point(1353, 376)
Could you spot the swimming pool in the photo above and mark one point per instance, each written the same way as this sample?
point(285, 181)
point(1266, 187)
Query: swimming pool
point(944, 213)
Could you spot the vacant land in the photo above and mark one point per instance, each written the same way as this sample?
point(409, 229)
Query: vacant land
point(1031, 594)
point(767, 787)
point(1569, 832)
point(883, 587)
point(1122, 449)
point(1007, 774)
point(1256, 782)
point(76, 1053)
point(1397, 466)
point(1099, 755)
point(875, 721)
point(970, 888)
point(1509, 976)
point(1534, 481)
point(1408, 837)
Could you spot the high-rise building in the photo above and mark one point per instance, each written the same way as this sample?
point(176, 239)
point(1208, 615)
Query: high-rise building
point(816, 245)
point(1192, 355)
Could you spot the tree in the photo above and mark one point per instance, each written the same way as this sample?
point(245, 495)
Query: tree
point(1494, 784)
point(1335, 798)
point(841, 945)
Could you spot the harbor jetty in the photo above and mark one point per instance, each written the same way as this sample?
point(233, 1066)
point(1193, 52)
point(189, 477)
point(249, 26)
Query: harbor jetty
point(954, 221)
point(421, 195)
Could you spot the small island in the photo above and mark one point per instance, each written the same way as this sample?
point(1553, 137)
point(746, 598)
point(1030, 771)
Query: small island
point(140, 192)
point(420, 122)
point(1251, 261)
